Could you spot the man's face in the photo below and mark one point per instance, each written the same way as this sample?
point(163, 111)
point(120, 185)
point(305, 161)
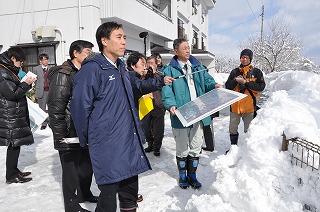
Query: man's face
point(140, 67)
point(183, 52)
point(80, 56)
point(245, 60)
point(44, 61)
point(116, 45)
point(16, 62)
point(153, 64)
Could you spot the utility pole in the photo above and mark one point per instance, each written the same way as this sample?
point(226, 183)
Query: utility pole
point(261, 36)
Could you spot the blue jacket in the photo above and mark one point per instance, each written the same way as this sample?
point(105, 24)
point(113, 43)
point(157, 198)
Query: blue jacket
point(178, 94)
point(105, 118)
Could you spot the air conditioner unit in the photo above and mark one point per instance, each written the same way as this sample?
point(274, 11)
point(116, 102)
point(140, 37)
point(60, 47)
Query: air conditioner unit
point(45, 32)
point(48, 32)
point(38, 32)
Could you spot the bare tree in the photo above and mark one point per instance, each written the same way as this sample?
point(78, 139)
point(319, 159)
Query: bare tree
point(224, 63)
point(306, 64)
point(280, 49)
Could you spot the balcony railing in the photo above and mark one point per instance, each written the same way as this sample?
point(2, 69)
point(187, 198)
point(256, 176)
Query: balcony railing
point(151, 7)
point(303, 154)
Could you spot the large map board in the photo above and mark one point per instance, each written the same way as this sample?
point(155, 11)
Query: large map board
point(206, 105)
point(36, 114)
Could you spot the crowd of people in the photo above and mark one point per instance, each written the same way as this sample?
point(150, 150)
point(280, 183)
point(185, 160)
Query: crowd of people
point(93, 104)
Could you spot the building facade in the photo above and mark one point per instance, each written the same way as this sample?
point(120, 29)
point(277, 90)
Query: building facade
point(150, 25)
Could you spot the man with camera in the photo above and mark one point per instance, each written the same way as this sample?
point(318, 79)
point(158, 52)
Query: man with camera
point(136, 66)
point(153, 122)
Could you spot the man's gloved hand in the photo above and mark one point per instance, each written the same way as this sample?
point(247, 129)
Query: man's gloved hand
point(240, 79)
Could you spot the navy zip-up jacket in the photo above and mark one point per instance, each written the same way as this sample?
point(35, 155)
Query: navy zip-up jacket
point(105, 118)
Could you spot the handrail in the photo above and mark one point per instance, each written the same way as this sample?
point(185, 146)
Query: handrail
point(154, 9)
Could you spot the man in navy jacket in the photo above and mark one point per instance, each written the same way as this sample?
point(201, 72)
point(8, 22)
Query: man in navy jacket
point(106, 119)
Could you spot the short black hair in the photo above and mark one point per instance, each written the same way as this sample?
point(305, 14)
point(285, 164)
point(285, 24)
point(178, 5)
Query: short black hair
point(152, 57)
point(79, 45)
point(134, 58)
point(43, 55)
point(16, 52)
point(178, 41)
point(104, 31)
point(156, 54)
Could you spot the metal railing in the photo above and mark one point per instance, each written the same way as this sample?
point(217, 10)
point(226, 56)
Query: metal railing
point(151, 7)
point(303, 153)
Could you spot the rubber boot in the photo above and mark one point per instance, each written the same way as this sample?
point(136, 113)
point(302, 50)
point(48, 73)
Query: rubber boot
point(208, 138)
point(128, 206)
point(234, 139)
point(182, 167)
point(192, 169)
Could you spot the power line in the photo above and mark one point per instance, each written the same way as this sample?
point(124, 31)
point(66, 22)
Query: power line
point(253, 12)
point(233, 26)
point(254, 17)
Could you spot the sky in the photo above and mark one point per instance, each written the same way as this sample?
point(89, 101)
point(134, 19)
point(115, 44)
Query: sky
point(254, 176)
point(232, 21)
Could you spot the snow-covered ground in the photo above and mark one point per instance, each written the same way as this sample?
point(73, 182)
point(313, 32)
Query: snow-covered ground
point(254, 176)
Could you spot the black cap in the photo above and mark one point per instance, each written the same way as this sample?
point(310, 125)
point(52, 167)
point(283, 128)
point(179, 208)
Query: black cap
point(248, 53)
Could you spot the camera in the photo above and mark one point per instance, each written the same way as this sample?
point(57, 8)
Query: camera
point(149, 72)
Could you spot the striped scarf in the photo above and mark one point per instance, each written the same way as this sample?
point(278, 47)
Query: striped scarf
point(245, 69)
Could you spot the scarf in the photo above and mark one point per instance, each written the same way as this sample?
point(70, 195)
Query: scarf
point(245, 69)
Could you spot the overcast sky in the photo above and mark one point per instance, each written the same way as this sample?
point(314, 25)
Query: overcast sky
point(232, 21)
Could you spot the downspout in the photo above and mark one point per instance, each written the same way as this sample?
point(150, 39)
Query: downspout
point(80, 20)
point(62, 41)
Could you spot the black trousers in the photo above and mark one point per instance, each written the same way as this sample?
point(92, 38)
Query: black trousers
point(208, 137)
point(153, 125)
point(76, 177)
point(127, 193)
point(12, 161)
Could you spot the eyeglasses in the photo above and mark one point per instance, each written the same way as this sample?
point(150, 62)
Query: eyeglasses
point(245, 57)
point(87, 51)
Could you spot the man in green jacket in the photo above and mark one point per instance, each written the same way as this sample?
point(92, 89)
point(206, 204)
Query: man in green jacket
point(185, 89)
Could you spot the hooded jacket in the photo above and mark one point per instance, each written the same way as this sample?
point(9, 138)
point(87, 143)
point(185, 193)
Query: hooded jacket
point(254, 82)
point(14, 114)
point(106, 119)
point(60, 94)
point(178, 94)
point(142, 87)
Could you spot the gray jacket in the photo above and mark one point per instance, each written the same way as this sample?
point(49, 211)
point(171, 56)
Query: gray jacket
point(40, 81)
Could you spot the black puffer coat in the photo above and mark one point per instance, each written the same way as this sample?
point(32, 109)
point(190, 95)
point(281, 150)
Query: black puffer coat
point(60, 93)
point(14, 114)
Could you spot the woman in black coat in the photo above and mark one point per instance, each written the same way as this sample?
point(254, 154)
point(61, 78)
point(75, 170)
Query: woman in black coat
point(14, 115)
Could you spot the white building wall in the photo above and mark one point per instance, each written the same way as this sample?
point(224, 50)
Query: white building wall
point(137, 18)
point(19, 18)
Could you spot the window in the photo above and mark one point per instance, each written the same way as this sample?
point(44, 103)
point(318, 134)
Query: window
point(194, 8)
point(156, 6)
point(195, 40)
point(203, 47)
point(180, 29)
point(34, 50)
point(203, 16)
